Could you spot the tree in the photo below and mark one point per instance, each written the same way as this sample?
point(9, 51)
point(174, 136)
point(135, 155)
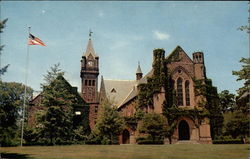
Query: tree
point(3, 69)
point(11, 103)
point(238, 126)
point(109, 124)
point(246, 27)
point(51, 75)
point(243, 92)
point(227, 101)
point(155, 125)
point(60, 99)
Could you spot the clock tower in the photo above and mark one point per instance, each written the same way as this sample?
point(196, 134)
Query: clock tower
point(89, 77)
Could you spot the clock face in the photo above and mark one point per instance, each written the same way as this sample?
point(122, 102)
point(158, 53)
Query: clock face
point(90, 63)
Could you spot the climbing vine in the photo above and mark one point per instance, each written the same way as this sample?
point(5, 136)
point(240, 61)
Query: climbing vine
point(161, 78)
point(206, 89)
point(154, 83)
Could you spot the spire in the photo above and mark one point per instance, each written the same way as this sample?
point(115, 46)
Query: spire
point(138, 68)
point(90, 49)
point(138, 72)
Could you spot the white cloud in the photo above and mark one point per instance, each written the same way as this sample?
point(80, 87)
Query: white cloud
point(160, 35)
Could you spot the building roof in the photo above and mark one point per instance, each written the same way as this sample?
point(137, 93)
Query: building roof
point(118, 90)
point(134, 92)
point(131, 91)
point(90, 50)
point(138, 69)
point(145, 78)
point(175, 54)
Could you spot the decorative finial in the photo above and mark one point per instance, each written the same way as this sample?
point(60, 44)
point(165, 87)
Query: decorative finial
point(90, 32)
point(138, 63)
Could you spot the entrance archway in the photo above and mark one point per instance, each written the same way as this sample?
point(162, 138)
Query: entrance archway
point(125, 136)
point(183, 130)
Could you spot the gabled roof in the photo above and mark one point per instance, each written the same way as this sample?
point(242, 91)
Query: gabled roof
point(175, 54)
point(118, 90)
point(134, 92)
point(90, 50)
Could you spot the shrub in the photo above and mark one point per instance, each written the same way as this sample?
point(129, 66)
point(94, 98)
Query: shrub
point(148, 140)
point(228, 141)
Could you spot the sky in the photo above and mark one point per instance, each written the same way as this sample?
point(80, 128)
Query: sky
point(123, 34)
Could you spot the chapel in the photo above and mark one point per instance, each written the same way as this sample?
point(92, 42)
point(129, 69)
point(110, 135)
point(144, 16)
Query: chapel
point(183, 73)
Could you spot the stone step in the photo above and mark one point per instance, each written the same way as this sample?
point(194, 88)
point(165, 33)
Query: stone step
point(186, 142)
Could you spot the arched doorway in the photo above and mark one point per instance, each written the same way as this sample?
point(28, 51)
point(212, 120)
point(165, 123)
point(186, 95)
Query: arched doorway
point(183, 130)
point(125, 136)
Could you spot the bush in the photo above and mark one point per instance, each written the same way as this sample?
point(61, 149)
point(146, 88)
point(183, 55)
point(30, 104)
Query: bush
point(148, 140)
point(228, 141)
point(93, 139)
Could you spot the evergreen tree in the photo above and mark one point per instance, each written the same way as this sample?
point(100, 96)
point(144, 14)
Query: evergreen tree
point(109, 124)
point(60, 101)
point(155, 125)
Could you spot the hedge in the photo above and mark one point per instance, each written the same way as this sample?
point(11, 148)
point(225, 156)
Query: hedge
point(228, 141)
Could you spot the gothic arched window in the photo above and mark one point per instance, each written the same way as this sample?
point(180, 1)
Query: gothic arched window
point(187, 93)
point(179, 92)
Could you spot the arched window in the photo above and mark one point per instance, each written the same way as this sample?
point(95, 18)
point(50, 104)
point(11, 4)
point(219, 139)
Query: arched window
point(179, 92)
point(89, 82)
point(93, 83)
point(187, 93)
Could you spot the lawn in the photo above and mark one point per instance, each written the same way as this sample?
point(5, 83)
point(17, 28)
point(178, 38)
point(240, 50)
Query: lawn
point(180, 151)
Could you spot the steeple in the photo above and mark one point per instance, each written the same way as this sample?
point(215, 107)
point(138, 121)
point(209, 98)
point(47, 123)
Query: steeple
point(90, 49)
point(138, 72)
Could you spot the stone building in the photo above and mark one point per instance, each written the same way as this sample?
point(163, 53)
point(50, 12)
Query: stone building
point(124, 93)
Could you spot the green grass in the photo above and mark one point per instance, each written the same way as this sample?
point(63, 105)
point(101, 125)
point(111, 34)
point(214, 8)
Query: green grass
point(180, 151)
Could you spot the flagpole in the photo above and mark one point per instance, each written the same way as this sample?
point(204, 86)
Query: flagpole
point(25, 87)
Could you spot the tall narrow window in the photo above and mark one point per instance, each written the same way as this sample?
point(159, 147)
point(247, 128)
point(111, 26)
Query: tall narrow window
point(179, 92)
point(86, 82)
point(93, 83)
point(187, 93)
point(89, 82)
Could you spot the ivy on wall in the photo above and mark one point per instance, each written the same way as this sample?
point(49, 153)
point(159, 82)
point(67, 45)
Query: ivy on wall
point(162, 79)
point(206, 89)
point(154, 83)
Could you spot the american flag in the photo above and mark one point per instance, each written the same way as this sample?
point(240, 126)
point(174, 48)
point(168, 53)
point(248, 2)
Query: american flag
point(35, 41)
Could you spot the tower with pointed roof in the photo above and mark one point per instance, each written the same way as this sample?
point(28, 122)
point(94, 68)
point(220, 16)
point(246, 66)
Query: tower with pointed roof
point(138, 72)
point(89, 80)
